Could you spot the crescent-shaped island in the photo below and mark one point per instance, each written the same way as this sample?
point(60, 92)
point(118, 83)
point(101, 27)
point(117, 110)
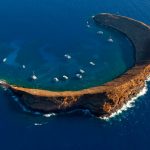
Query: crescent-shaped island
point(102, 100)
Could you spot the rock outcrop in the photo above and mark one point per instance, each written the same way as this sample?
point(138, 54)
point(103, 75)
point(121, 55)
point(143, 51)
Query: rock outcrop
point(102, 100)
point(136, 31)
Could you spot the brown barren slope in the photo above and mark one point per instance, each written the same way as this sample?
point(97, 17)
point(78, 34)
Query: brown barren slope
point(108, 98)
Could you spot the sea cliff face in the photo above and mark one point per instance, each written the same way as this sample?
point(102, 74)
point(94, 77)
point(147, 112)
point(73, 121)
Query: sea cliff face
point(102, 100)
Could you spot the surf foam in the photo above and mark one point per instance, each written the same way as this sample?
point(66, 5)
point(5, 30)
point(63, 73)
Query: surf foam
point(49, 115)
point(130, 103)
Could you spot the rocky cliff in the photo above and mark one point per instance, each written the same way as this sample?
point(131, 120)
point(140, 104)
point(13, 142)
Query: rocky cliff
point(102, 100)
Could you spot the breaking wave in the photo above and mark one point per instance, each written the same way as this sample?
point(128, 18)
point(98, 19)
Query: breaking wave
point(130, 103)
point(125, 107)
point(49, 115)
point(16, 99)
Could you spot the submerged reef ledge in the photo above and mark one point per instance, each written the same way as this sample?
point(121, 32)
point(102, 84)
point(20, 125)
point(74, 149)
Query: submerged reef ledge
point(103, 100)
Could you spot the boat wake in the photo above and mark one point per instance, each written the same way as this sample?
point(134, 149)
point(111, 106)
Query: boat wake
point(129, 104)
point(38, 124)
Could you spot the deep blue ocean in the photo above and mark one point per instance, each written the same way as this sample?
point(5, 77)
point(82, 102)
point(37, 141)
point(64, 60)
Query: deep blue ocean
point(34, 37)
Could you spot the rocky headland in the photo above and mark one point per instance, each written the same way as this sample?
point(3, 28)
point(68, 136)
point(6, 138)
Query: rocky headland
point(101, 100)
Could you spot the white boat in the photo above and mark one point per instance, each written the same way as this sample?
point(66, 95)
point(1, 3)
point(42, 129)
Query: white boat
point(67, 56)
point(34, 77)
point(56, 79)
point(23, 66)
point(110, 40)
point(4, 60)
point(79, 76)
point(82, 71)
point(65, 77)
point(92, 63)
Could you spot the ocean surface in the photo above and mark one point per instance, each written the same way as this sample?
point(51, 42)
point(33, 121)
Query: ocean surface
point(35, 37)
point(38, 36)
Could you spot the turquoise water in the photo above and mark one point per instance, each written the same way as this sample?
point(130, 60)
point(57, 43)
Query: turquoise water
point(20, 130)
point(39, 35)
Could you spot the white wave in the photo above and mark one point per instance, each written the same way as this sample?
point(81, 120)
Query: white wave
point(130, 103)
point(3, 82)
point(49, 115)
point(4, 88)
point(148, 79)
point(15, 98)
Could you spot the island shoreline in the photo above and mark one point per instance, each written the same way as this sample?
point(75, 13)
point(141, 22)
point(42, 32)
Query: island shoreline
point(102, 100)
